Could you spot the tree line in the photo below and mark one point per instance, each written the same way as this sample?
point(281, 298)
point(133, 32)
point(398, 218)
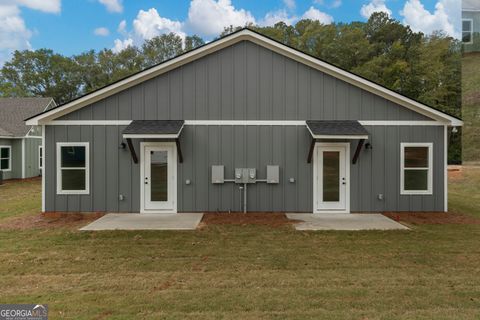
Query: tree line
point(423, 67)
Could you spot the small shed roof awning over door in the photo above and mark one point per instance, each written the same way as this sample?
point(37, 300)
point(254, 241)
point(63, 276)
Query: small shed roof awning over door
point(154, 129)
point(336, 129)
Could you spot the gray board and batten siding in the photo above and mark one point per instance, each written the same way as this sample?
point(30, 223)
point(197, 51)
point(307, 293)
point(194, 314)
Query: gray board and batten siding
point(244, 82)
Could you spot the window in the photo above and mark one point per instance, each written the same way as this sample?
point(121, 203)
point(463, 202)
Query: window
point(416, 168)
point(467, 31)
point(72, 168)
point(40, 157)
point(5, 158)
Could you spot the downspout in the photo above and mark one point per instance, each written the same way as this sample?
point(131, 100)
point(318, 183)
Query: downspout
point(23, 158)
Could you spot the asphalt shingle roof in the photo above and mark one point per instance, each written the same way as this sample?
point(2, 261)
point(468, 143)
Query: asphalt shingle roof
point(336, 127)
point(13, 112)
point(154, 127)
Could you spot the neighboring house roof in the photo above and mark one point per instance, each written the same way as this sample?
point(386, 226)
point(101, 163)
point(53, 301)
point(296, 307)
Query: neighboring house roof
point(261, 40)
point(471, 5)
point(14, 111)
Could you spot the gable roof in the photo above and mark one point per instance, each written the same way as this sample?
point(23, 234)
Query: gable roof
point(261, 40)
point(13, 111)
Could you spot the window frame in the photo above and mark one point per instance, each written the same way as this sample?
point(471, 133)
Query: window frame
point(429, 190)
point(40, 157)
point(9, 158)
point(60, 168)
point(471, 31)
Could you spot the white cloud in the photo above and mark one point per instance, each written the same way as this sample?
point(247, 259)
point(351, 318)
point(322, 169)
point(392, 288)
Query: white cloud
point(315, 14)
point(120, 45)
point(14, 34)
point(336, 3)
point(149, 24)
point(111, 5)
point(290, 4)
point(122, 27)
point(210, 17)
point(374, 6)
point(102, 31)
point(332, 4)
point(276, 16)
point(446, 17)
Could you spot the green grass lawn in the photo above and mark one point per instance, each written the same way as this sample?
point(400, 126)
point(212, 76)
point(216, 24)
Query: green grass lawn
point(471, 107)
point(247, 272)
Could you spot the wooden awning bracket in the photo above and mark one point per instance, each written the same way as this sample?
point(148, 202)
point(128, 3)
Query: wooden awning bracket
point(310, 152)
point(179, 150)
point(132, 150)
point(357, 151)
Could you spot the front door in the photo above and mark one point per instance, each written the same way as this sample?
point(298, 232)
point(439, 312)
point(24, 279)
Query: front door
point(159, 177)
point(332, 177)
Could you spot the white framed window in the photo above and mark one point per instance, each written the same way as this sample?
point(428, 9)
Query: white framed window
point(73, 168)
point(467, 31)
point(40, 157)
point(5, 158)
point(416, 166)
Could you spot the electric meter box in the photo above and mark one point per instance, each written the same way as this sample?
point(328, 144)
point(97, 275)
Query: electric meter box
point(218, 174)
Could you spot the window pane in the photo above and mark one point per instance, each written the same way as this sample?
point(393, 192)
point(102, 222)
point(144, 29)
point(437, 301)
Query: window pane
point(5, 153)
point(73, 179)
point(466, 25)
point(159, 176)
point(416, 180)
point(416, 157)
point(331, 176)
point(4, 164)
point(73, 156)
point(466, 37)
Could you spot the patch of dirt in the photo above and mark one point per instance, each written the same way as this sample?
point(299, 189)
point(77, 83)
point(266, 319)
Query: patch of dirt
point(455, 172)
point(431, 218)
point(274, 220)
point(40, 221)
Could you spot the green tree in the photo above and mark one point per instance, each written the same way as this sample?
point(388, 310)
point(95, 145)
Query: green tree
point(161, 48)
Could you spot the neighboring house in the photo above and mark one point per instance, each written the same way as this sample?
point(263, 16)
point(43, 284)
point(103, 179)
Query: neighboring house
point(20, 144)
point(176, 137)
point(471, 25)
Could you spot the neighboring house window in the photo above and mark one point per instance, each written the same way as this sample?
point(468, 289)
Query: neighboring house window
point(5, 158)
point(73, 168)
point(40, 157)
point(467, 31)
point(416, 168)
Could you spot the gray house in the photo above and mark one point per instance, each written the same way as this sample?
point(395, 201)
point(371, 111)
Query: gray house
point(20, 144)
point(244, 123)
point(471, 25)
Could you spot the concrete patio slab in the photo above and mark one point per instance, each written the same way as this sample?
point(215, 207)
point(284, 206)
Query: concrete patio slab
point(344, 221)
point(145, 221)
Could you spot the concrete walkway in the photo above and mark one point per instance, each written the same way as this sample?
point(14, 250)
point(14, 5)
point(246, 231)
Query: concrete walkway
point(145, 221)
point(344, 221)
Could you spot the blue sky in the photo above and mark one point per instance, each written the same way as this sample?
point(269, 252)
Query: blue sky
point(73, 26)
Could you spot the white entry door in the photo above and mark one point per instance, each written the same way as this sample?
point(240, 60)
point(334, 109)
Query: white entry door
point(332, 178)
point(159, 180)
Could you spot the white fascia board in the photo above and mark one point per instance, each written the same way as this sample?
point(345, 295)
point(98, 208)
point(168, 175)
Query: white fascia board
point(228, 41)
point(89, 123)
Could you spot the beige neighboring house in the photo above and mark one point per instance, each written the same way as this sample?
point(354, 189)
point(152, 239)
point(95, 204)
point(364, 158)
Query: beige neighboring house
point(21, 154)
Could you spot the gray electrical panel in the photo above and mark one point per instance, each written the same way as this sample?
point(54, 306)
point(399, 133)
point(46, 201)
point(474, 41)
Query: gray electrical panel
point(273, 174)
point(218, 174)
point(245, 175)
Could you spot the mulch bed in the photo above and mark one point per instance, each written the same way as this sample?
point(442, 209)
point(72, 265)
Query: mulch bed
point(42, 221)
point(274, 220)
point(431, 218)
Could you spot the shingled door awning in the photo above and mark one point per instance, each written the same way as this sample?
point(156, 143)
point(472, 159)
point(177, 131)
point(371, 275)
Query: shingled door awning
point(154, 129)
point(338, 130)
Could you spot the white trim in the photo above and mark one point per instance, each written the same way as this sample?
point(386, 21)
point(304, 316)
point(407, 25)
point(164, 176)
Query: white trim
point(40, 156)
point(238, 123)
point(23, 158)
point(9, 157)
point(445, 169)
point(316, 200)
point(89, 123)
point(429, 190)
point(33, 137)
point(244, 35)
point(471, 31)
point(86, 168)
point(173, 146)
point(43, 169)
